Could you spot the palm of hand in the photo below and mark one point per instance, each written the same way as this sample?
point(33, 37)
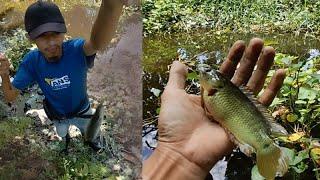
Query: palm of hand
point(183, 122)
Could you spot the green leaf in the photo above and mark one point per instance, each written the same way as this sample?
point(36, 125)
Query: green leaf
point(301, 102)
point(300, 157)
point(271, 73)
point(255, 175)
point(292, 117)
point(307, 93)
point(276, 101)
point(300, 168)
point(269, 42)
point(289, 153)
point(192, 76)
point(316, 76)
point(158, 110)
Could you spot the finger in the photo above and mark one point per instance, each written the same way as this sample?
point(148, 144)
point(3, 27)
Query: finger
point(264, 64)
point(177, 75)
point(229, 66)
point(273, 88)
point(248, 62)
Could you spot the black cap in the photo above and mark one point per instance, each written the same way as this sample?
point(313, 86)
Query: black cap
point(43, 17)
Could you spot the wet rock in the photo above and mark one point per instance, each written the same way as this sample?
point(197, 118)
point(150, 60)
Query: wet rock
point(74, 131)
point(39, 114)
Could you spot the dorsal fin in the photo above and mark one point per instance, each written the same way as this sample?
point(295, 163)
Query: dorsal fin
point(276, 129)
point(255, 101)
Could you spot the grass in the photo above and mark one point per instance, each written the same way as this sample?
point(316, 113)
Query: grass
point(33, 157)
point(7, 132)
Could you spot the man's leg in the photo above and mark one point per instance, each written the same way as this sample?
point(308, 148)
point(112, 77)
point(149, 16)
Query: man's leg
point(82, 124)
point(62, 128)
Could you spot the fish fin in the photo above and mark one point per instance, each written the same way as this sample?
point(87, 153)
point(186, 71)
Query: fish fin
point(283, 163)
point(255, 101)
point(272, 161)
point(246, 149)
point(276, 129)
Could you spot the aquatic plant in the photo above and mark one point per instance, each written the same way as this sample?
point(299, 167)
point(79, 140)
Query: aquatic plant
point(241, 16)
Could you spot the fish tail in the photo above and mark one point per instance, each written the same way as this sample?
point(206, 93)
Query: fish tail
point(272, 161)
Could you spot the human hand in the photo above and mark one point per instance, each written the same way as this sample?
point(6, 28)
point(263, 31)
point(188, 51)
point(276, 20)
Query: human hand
point(4, 65)
point(184, 128)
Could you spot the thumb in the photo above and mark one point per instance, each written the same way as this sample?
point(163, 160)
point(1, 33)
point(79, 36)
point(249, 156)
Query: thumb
point(177, 76)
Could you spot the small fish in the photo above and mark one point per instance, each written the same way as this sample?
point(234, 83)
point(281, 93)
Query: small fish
point(246, 119)
point(95, 123)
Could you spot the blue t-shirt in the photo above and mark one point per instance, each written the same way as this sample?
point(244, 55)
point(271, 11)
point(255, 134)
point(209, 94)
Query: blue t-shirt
point(63, 83)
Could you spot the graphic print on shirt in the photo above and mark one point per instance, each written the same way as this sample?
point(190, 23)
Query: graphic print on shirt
point(58, 83)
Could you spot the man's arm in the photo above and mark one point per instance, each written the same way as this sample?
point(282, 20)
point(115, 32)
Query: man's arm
point(10, 93)
point(104, 26)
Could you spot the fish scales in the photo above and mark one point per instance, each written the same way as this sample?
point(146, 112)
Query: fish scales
point(241, 116)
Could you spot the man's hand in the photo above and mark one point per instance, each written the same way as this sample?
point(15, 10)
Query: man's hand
point(4, 65)
point(10, 93)
point(104, 27)
point(184, 128)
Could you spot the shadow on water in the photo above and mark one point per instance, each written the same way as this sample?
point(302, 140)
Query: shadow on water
point(160, 51)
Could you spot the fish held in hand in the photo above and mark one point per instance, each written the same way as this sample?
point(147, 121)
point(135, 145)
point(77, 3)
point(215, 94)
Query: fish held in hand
point(93, 128)
point(245, 118)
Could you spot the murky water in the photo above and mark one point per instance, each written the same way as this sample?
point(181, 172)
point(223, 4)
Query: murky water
point(160, 51)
